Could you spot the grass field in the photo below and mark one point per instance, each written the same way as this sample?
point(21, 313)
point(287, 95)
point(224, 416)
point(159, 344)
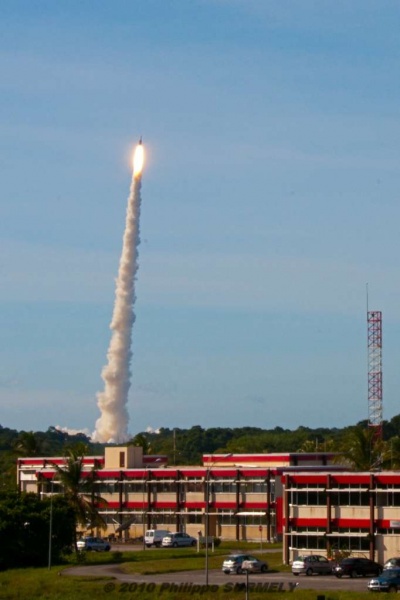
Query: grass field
point(42, 584)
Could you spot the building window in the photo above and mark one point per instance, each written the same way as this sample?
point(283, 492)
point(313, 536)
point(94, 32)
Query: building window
point(134, 487)
point(122, 460)
point(308, 542)
point(223, 487)
point(194, 517)
point(352, 496)
point(309, 496)
point(252, 519)
point(388, 495)
point(351, 542)
point(106, 487)
point(164, 486)
point(254, 487)
point(226, 517)
point(194, 485)
point(163, 518)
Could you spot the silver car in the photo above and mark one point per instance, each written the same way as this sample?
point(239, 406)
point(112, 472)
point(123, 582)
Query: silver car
point(314, 563)
point(93, 543)
point(176, 540)
point(238, 563)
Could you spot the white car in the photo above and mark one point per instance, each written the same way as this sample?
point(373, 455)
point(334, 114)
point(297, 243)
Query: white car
point(175, 540)
point(154, 537)
point(93, 543)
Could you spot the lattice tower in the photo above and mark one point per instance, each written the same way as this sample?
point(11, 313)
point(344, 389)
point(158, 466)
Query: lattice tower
point(375, 406)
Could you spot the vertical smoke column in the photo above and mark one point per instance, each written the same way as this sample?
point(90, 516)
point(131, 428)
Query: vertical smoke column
point(113, 422)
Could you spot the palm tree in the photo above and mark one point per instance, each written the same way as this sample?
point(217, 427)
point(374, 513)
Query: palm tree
point(140, 439)
point(79, 490)
point(362, 450)
point(28, 444)
point(391, 458)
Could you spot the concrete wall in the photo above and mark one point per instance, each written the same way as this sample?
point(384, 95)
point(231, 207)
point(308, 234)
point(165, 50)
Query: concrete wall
point(123, 457)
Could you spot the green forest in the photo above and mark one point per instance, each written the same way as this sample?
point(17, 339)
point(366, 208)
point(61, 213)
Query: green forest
point(356, 444)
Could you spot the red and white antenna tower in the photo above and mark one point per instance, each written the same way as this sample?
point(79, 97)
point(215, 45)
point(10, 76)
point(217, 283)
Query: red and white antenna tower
point(375, 406)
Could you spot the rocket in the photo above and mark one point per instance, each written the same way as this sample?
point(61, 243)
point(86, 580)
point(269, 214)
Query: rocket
point(138, 158)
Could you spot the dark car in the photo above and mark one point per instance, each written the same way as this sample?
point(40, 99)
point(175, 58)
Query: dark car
point(389, 581)
point(358, 567)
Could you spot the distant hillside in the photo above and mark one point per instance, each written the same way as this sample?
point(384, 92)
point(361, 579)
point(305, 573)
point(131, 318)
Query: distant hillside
point(52, 442)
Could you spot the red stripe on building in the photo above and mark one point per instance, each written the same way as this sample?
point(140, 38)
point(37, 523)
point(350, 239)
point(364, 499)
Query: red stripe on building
point(224, 505)
point(108, 474)
point(163, 473)
point(218, 472)
point(255, 472)
point(193, 472)
point(254, 505)
point(307, 478)
point(195, 505)
point(164, 504)
point(135, 504)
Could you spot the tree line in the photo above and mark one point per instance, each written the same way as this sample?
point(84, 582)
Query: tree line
point(187, 446)
point(357, 446)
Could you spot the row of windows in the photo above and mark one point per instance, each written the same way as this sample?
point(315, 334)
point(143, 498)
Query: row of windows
point(223, 517)
point(356, 487)
point(316, 542)
point(215, 487)
point(345, 498)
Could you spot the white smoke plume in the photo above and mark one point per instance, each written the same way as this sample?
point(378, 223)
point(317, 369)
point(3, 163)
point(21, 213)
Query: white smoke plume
point(112, 426)
point(150, 429)
point(85, 431)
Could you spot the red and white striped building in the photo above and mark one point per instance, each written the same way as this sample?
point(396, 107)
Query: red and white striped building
point(303, 499)
point(342, 511)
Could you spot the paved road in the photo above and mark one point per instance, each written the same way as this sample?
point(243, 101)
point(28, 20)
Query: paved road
point(278, 581)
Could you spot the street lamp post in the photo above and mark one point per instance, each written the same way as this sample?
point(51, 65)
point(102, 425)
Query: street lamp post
point(206, 528)
point(144, 512)
point(51, 522)
point(206, 523)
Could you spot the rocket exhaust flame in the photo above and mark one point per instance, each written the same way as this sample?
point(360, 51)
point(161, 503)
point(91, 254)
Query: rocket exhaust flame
point(138, 159)
point(113, 422)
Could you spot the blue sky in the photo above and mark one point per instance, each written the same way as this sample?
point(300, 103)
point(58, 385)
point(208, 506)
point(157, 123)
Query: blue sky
point(270, 198)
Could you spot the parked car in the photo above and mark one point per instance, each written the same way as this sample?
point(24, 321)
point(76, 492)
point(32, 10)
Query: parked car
point(254, 566)
point(314, 563)
point(234, 564)
point(93, 543)
point(355, 567)
point(392, 563)
point(178, 539)
point(154, 537)
point(388, 581)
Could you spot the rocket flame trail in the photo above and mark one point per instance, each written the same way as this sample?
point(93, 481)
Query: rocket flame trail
point(113, 422)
